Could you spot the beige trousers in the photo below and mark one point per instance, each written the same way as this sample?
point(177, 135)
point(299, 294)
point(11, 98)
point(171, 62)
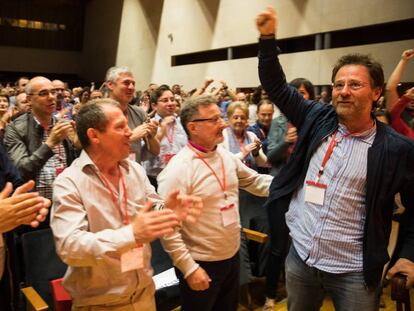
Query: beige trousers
point(140, 301)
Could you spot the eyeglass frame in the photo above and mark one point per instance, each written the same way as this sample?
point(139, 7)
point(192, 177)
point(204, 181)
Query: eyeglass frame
point(214, 120)
point(354, 85)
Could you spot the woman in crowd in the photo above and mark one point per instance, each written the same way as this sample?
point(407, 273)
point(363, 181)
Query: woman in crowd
point(241, 142)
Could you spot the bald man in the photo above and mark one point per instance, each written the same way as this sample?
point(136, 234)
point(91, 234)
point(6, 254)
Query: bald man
point(37, 142)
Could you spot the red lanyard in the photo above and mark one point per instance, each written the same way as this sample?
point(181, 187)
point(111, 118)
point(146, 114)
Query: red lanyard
point(328, 154)
point(124, 212)
point(330, 150)
point(223, 172)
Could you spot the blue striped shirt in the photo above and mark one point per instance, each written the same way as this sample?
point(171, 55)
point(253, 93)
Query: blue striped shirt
point(329, 237)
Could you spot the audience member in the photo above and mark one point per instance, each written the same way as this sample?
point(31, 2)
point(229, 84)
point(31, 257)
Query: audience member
point(102, 217)
point(265, 110)
point(206, 255)
point(37, 142)
point(258, 95)
point(4, 114)
point(22, 104)
point(244, 144)
point(21, 208)
point(405, 103)
point(96, 94)
point(283, 134)
point(63, 108)
point(171, 134)
point(325, 98)
point(241, 97)
point(337, 184)
point(392, 92)
point(121, 84)
point(248, 148)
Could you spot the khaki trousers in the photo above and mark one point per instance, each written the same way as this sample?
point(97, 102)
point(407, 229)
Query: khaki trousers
point(140, 301)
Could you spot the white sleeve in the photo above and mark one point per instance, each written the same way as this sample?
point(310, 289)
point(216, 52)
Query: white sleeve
point(75, 245)
point(252, 181)
point(177, 175)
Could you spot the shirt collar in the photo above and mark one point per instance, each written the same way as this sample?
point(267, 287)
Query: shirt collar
point(85, 161)
point(367, 136)
point(51, 123)
point(198, 147)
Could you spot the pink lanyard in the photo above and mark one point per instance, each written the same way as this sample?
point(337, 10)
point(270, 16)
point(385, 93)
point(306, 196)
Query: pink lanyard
point(171, 138)
point(223, 172)
point(124, 212)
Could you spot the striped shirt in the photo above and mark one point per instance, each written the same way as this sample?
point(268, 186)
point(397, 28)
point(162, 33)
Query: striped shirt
point(48, 173)
point(329, 237)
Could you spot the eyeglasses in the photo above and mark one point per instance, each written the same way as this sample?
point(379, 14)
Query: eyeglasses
point(166, 100)
point(44, 93)
point(59, 90)
point(353, 85)
point(214, 120)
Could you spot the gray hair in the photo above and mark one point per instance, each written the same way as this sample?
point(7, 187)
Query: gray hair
point(191, 108)
point(113, 73)
point(92, 115)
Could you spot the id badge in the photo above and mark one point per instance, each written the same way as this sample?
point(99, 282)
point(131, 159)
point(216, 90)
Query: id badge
point(167, 157)
point(59, 170)
point(229, 214)
point(132, 259)
point(315, 192)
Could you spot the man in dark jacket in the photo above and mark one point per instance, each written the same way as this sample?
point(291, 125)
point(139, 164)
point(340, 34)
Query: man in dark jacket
point(38, 143)
point(339, 184)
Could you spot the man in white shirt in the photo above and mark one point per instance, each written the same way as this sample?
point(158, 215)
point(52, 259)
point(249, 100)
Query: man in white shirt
point(206, 256)
point(102, 216)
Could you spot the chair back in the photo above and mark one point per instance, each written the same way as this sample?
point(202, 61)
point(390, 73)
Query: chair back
point(41, 263)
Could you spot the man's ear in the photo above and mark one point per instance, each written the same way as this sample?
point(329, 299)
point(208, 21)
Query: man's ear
point(109, 85)
point(154, 106)
point(377, 93)
point(191, 127)
point(93, 135)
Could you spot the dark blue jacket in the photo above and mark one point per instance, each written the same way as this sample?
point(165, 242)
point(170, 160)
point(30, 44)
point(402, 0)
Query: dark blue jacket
point(259, 130)
point(390, 163)
point(8, 172)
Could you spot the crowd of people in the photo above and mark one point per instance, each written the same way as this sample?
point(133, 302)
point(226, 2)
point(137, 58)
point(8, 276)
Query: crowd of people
point(121, 168)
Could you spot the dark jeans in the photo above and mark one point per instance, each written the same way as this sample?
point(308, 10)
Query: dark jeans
point(223, 293)
point(279, 244)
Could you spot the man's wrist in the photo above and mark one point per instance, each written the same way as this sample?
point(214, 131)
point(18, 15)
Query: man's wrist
point(267, 36)
point(50, 144)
